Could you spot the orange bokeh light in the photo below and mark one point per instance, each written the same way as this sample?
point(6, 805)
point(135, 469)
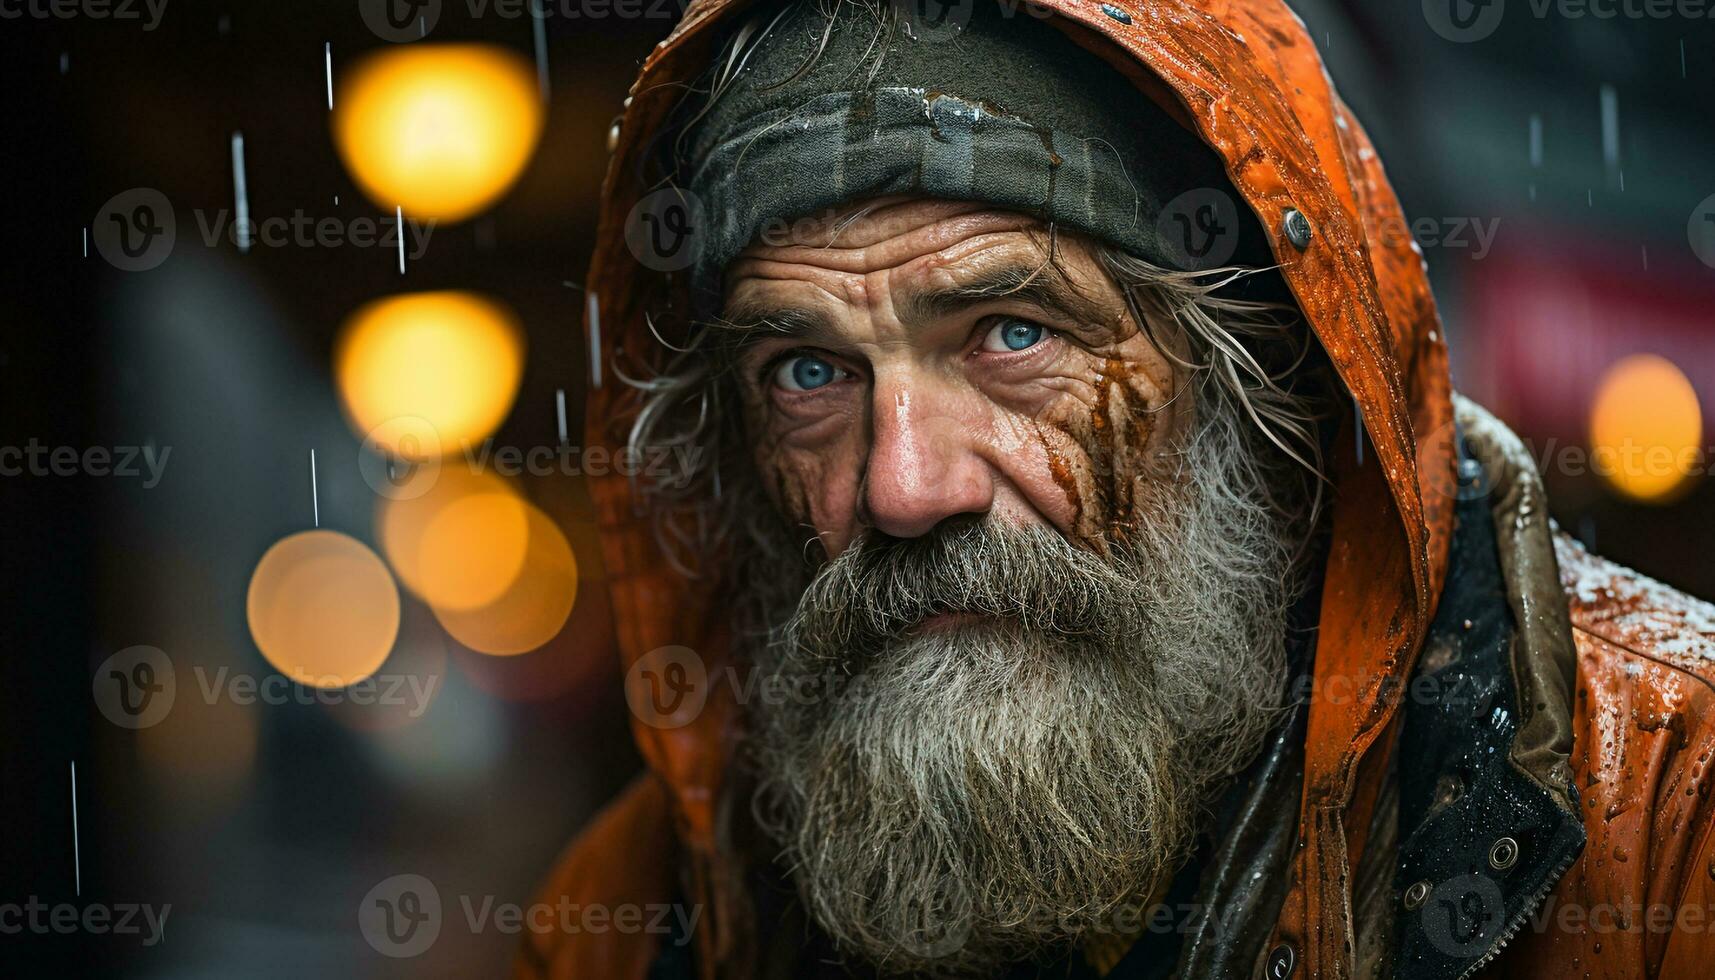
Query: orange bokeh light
point(1646, 428)
point(440, 130)
point(563, 666)
point(323, 609)
point(534, 608)
point(460, 545)
point(426, 374)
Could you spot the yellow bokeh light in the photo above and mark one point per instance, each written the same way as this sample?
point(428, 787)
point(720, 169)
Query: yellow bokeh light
point(323, 609)
point(536, 605)
point(441, 130)
point(460, 545)
point(1646, 428)
point(448, 362)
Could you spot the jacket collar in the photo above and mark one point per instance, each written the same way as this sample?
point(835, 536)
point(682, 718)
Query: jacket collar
point(1488, 815)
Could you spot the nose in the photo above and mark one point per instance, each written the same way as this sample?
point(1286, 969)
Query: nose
point(923, 466)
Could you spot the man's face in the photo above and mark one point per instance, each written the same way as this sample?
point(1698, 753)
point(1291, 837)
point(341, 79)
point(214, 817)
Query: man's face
point(1051, 615)
point(927, 361)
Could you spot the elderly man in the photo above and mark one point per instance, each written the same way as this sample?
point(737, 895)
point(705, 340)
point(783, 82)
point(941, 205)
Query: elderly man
point(1089, 571)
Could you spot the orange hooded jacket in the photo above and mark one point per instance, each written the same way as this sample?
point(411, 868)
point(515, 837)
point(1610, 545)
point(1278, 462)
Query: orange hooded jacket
point(1245, 75)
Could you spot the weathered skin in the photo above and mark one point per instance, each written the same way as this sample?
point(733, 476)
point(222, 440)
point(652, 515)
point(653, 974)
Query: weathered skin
point(931, 416)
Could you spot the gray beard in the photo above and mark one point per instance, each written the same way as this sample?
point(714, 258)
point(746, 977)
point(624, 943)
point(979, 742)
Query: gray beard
point(954, 799)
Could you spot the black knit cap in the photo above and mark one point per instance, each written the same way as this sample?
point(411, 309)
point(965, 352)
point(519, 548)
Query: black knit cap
point(1005, 110)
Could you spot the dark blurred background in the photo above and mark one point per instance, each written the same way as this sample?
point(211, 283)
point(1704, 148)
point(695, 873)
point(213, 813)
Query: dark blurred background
point(1556, 169)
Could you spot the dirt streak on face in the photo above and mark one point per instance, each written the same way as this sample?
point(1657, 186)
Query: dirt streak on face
point(915, 360)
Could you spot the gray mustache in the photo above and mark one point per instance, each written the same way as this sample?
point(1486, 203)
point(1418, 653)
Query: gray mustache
point(882, 587)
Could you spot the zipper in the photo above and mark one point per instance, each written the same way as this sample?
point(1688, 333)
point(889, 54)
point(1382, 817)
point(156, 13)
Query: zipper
point(1524, 914)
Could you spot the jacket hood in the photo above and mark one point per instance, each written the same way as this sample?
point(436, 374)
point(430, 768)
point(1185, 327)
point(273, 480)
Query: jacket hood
point(1245, 77)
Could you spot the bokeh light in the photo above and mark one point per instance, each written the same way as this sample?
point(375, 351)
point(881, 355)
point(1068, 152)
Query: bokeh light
point(534, 608)
point(1646, 428)
point(563, 667)
point(323, 609)
point(460, 545)
point(447, 362)
point(440, 130)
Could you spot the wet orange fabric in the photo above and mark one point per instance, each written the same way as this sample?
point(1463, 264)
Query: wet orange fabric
point(1640, 899)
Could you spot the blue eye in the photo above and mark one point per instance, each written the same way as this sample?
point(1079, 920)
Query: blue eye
point(1012, 334)
point(806, 372)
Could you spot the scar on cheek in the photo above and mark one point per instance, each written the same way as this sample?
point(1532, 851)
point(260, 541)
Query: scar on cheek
point(1112, 451)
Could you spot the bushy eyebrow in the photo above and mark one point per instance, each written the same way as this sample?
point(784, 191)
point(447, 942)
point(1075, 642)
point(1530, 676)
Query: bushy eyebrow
point(756, 321)
point(1038, 285)
point(1041, 285)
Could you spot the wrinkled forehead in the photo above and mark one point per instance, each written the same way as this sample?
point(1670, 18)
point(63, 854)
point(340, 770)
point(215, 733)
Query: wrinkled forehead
point(927, 258)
